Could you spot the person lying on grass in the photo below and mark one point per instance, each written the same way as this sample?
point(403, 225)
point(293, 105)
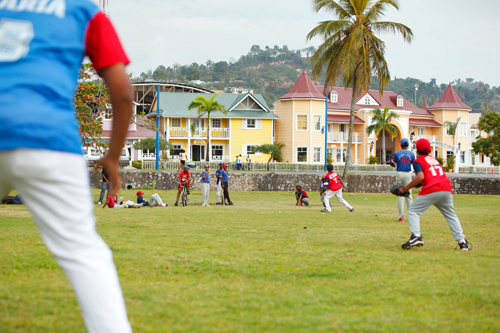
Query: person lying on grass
point(113, 202)
point(154, 200)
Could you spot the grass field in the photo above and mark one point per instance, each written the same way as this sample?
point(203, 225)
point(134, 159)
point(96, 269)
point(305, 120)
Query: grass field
point(265, 265)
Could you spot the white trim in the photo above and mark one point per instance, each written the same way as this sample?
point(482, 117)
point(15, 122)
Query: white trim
point(244, 150)
point(254, 99)
point(293, 132)
point(297, 122)
point(336, 95)
point(460, 129)
point(314, 122)
point(320, 154)
point(307, 154)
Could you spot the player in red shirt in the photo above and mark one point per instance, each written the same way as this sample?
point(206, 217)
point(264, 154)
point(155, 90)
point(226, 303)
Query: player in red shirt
point(184, 178)
point(334, 188)
point(437, 191)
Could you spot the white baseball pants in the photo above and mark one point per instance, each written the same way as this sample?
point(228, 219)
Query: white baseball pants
point(206, 191)
point(404, 178)
point(329, 194)
point(155, 200)
point(219, 191)
point(444, 202)
point(55, 187)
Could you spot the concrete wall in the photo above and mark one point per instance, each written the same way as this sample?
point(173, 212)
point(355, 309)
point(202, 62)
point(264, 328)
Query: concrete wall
point(286, 182)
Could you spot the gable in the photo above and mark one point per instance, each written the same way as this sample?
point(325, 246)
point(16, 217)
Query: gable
point(249, 104)
point(367, 100)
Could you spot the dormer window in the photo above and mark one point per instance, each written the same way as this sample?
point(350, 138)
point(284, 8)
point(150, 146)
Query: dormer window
point(334, 97)
point(368, 100)
point(400, 101)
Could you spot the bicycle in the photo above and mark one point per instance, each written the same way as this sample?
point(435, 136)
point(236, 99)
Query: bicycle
point(184, 198)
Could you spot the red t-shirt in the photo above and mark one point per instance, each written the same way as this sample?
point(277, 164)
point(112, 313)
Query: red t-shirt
point(333, 181)
point(435, 179)
point(184, 176)
point(110, 201)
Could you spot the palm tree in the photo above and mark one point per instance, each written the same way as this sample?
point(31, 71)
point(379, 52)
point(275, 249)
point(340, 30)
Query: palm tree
point(451, 128)
point(207, 105)
point(381, 122)
point(352, 49)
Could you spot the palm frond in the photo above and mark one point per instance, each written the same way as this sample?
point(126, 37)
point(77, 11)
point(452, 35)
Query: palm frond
point(383, 26)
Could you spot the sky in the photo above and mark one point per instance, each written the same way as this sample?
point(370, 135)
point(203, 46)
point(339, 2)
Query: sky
point(452, 38)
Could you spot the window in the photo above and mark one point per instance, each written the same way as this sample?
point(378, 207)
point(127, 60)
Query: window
point(368, 101)
point(339, 157)
point(482, 158)
point(301, 154)
point(462, 157)
point(342, 128)
point(449, 153)
point(248, 149)
point(334, 97)
point(301, 123)
point(421, 131)
point(176, 122)
point(216, 123)
point(217, 150)
point(436, 153)
point(400, 101)
point(317, 155)
point(317, 122)
point(177, 147)
point(463, 129)
point(251, 124)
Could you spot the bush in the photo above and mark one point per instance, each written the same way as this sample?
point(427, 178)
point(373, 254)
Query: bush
point(372, 160)
point(450, 162)
point(329, 160)
point(137, 164)
point(440, 160)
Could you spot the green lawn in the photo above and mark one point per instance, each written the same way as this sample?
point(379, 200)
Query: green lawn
point(265, 265)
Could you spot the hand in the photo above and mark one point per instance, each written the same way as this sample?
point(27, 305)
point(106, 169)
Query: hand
point(111, 166)
point(402, 190)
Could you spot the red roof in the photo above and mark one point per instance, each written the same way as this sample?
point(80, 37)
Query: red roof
point(424, 106)
point(425, 122)
point(450, 100)
point(303, 89)
point(343, 119)
point(140, 132)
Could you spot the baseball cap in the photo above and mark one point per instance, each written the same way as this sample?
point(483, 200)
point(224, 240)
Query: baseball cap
point(423, 146)
point(139, 192)
point(224, 164)
point(186, 167)
point(206, 166)
point(405, 142)
point(221, 164)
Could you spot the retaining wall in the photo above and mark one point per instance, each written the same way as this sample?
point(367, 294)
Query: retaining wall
point(271, 181)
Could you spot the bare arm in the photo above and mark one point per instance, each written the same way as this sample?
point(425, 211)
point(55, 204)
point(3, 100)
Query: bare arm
point(341, 182)
point(120, 92)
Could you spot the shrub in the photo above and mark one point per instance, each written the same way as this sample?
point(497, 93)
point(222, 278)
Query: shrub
point(440, 160)
point(329, 160)
point(137, 164)
point(450, 162)
point(372, 160)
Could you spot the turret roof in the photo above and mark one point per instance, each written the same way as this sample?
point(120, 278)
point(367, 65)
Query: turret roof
point(450, 100)
point(303, 89)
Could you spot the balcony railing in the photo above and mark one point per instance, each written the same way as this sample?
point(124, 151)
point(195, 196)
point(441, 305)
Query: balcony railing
point(182, 132)
point(344, 136)
point(178, 132)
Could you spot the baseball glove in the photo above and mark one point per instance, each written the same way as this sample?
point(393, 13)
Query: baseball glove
point(395, 189)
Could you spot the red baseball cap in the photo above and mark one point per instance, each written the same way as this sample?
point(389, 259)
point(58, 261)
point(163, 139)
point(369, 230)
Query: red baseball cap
point(139, 192)
point(424, 146)
point(224, 164)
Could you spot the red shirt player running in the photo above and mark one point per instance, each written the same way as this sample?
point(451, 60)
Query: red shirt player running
point(334, 188)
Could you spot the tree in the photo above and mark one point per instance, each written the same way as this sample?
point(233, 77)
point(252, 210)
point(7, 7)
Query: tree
point(160, 73)
point(352, 50)
point(451, 128)
point(207, 105)
point(150, 144)
point(490, 146)
point(274, 151)
point(381, 122)
point(91, 99)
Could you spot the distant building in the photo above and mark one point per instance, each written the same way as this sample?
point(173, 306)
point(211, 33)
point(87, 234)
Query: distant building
point(239, 90)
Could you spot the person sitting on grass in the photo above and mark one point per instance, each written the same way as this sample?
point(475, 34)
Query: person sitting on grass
point(301, 196)
point(184, 178)
point(154, 200)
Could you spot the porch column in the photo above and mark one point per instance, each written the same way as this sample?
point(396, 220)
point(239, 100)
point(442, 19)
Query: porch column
point(356, 152)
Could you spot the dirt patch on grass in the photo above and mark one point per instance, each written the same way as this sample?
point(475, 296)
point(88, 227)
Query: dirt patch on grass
point(9, 211)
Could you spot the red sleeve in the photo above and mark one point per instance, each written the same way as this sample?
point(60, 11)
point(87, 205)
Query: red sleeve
point(102, 44)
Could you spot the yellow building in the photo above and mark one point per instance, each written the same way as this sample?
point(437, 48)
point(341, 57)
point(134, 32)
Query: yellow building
point(301, 125)
point(248, 123)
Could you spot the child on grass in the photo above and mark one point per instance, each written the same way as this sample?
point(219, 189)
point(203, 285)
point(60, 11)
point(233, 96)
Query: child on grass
point(301, 196)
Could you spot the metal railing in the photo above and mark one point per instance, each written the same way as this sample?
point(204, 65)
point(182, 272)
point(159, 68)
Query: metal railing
point(344, 137)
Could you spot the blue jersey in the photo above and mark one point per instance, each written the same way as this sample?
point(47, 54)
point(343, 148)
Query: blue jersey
point(203, 177)
point(218, 174)
point(224, 176)
point(403, 159)
point(42, 45)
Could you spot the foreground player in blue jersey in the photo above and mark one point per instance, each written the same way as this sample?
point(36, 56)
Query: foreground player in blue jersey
point(403, 160)
point(42, 45)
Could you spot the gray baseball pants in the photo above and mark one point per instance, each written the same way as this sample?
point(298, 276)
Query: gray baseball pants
point(444, 202)
point(404, 178)
point(206, 191)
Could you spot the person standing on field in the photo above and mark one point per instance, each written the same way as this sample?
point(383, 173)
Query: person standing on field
point(225, 185)
point(105, 185)
point(205, 183)
point(403, 160)
point(43, 44)
point(249, 162)
point(436, 190)
point(219, 184)
point(334, 188)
